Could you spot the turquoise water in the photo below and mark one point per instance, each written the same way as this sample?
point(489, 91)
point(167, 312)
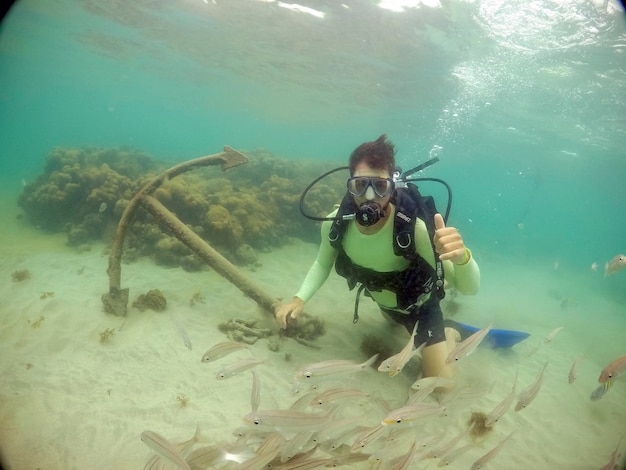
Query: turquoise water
point(523, 102)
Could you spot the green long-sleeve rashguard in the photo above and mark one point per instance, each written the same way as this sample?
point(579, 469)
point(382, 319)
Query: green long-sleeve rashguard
point(375, 252)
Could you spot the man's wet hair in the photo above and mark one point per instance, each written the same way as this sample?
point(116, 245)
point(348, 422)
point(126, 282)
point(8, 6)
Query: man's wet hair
point(378, 154)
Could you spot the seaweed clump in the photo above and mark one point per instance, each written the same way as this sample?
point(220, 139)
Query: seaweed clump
point(106, 335)
point(37, 323)
point(21, 275)
point(183, 400)
point(478, 425)
point(305, 329)
point(197, 298)
point(151, 300)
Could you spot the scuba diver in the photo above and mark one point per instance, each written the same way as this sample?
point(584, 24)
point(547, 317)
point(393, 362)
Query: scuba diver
point(390, 241)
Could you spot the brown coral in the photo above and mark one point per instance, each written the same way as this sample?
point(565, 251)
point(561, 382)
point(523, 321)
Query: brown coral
point(84, 192)
point(152, 300)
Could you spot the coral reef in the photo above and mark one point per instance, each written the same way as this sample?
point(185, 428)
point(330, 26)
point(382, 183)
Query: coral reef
point(244, 331)
point(151, 300)
point(20, 275)
point(79, 185)
point(247, 210)
point(245, 255)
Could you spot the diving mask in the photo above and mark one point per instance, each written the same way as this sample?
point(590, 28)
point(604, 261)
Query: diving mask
point(357, 185)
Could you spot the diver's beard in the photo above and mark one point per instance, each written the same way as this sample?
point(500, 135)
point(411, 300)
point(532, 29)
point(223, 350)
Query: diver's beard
point(369, 213)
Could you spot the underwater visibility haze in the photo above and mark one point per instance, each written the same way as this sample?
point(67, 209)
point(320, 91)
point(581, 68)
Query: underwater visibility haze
point(523, 102)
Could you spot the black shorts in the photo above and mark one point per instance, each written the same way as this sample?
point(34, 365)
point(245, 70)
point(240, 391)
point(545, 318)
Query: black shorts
point(430, 329)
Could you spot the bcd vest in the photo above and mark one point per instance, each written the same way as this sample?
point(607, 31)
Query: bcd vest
point(413, 284)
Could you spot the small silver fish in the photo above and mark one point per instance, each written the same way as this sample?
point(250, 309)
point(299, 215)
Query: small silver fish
point(468, 345)
point(369, 436)
point(255, 396)
point(337, 394)
point(425, 387)
point(425, 382)
point(403, 356)
point(615, 265)
point(237, 367)
point(205, 456)
point(552, 334)
point(600, 391)
point(184, 336)
point(445, 448)
point(265, 453)
point(183, 449)
point(406, 460)
point(612, 463)
point(102, 207)
point(331, 367)
point(571, 376)
point(503, 406)
point(481, 462)
point(221, 350)
point(287, 419)
point(164, 448)
point(335, 428)
point(409, 413)
point(451, 456)
point(529, 393)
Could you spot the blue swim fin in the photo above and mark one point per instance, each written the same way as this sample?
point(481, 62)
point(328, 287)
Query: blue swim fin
point(499, 338)
point(495, 338)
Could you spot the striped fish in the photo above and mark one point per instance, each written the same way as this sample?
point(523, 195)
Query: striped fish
point(255, 396)
point(265, 453)
point(468, 345)
point(600, 391)
point(337, 394)
point(331, 367)
point(614, 369)
point(237, 367)
point(529, 393)
point(552, 334)
point(221, 350)
point(503, 406)
point(294, 420)
point(409, 413)
point(481, 462)
point(612, 463)
point(183, 334)
point(164, 448)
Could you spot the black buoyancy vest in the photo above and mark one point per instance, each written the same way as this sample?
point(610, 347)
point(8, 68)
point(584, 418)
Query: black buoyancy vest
point(413, 283)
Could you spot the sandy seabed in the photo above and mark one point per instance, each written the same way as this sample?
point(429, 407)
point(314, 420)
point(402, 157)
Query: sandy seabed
point(70, 401)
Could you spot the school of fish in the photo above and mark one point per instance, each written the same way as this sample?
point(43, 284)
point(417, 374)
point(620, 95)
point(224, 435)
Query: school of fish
point(332, 422)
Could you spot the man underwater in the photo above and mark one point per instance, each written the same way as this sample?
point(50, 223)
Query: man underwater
point(401, 269)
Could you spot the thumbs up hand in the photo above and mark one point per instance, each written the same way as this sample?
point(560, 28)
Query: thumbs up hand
point(448, 242)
